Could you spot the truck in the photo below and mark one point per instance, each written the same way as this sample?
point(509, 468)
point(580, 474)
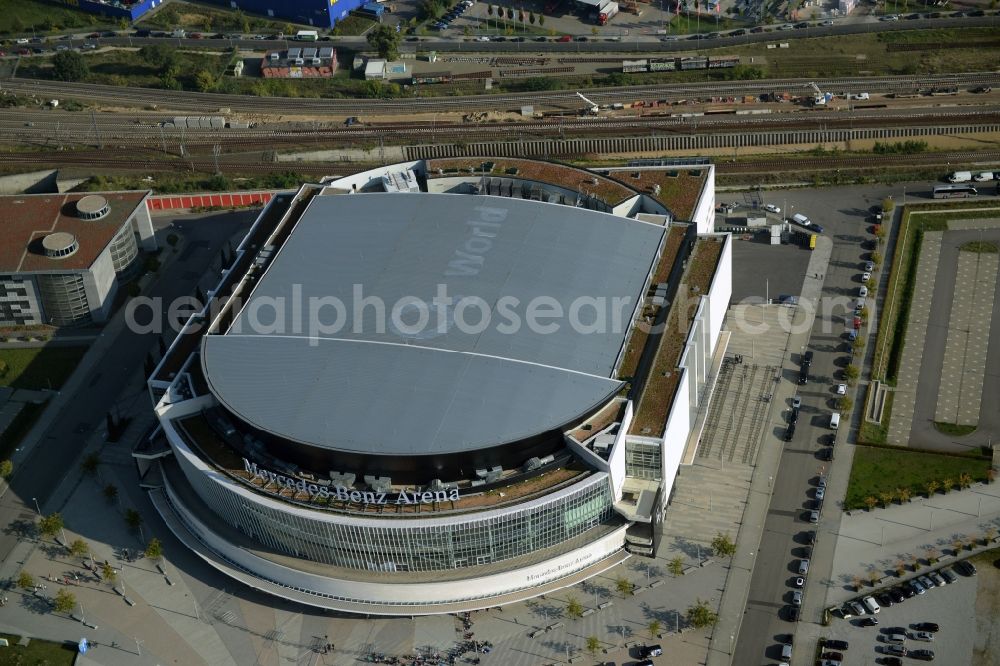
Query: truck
point(373, 8)
point(984, 176)
point(307, 36)
point(606, 12)
point(960, 177)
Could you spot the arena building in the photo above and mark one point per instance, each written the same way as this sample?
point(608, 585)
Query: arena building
point(427, 389)
point(63, 256)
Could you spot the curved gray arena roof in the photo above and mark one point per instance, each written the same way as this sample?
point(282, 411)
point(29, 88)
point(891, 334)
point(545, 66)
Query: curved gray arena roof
point(456, 384)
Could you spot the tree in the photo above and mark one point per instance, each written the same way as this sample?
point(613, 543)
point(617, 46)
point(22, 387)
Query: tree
point(385, 40)
point(79, 548)
point(931, 487)
point(914, 562)
point(723, 545)
point(69, 66)
point(541, 20)
point(885, 498)
point(870, 502)
point(991, 474)
point(90, 464)
point(964, 480)
point(531, 18)
point(676, 566)
point(876, 258)
point(957, 545)
point(947, 485)
point(25, 580)
point(654, 628)
point(851, 372)
point(133, 518)
point(108, 572)
point(65, 601)
point(624, 586)
point(888, 205)
point(110, 493)
point(873, 577)
point(574, 608)
point(50, 525)
point(900, 567)
point(700, 615)
point(859, 343)
point(154, 549)
point(856, 583)
point(932, 554)
point(844, 404)
point(6, 468)
point(160, 56)
point(204, 80)
point(903, 494)
point(593, 645)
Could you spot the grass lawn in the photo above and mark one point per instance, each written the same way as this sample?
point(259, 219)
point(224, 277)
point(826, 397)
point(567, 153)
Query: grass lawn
point(954, 429)
point(986, 247)
point(879, 469)
point(38, 653)
point(23, 16)
point(39, 367)
point(354, 25)
point(196, 17)
point(875, 433)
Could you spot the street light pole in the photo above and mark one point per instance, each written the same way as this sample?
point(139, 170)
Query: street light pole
point(138, 644)
point(37, 508)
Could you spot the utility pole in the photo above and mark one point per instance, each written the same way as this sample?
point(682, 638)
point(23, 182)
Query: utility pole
point(216, 149)
point(138, 644)
point(163, 139)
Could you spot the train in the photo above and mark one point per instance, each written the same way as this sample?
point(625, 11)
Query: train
point(682, 63)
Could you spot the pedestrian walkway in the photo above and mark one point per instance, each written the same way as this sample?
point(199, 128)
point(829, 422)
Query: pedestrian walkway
point(960, 390)
point(706, 501)
point(905, 395)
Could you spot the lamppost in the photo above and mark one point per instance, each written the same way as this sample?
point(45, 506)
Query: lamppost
point(37, 508)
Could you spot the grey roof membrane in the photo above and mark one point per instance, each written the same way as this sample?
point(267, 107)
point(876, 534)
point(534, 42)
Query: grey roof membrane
point(458, 383)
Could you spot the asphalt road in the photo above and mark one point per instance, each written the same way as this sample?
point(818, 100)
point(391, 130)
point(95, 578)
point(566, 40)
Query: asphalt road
point(842, 212)
point(37, 476)
point(635, 42)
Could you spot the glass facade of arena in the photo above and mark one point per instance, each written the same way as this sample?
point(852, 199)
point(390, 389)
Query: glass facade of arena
point(65, 298)
point(450, 542)
point(643, 460)
point(124, 252)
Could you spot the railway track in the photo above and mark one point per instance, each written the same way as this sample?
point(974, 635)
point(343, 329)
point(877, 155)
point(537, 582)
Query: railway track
point(149, 162)
point(209, 103)
point(16, 130)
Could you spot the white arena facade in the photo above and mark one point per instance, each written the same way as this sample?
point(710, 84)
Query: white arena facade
point(409, 394)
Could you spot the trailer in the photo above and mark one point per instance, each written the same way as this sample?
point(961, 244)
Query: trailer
point(633, 66)
point(606, 13)
point(662, 64)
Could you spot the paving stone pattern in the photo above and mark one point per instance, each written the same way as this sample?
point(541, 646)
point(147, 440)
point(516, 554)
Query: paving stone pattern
point(913, 345)
point(963, 371)
point(706, 501)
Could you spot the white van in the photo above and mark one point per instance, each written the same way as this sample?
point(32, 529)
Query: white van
point(799, 218)
point(834, 421)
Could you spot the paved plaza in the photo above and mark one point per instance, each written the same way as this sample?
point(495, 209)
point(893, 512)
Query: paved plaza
point(950, 348)
point(961, 388)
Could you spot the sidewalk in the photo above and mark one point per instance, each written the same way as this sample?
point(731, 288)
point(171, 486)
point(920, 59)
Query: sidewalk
point(737, 588)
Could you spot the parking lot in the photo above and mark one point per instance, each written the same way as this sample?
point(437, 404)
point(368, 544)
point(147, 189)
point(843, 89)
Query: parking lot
point(952, 607)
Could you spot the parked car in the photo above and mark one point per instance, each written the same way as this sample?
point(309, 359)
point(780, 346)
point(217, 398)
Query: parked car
point(884, 599)
point(937, 578)
point(871, 604)
point(648, 651)
point(771, 208)
point(917, 586)
point(841, 389)
point(926, 582)
point(820, 494)
point(898, 639)
point(856, 607)
point(897, 650)
point(799, 582)
point(927, 626)
point(789, 432)
point(835, 656)
point(892, 661)
point(868, 622)
point(925, 636)
point(898, 596)
point(869, 266)
point(803, 567)
point(814, 519)
point(796, 402)
point(811, 537)
point(923, 655)
point(965, 568)
point(834, 644)
point(908, 590)
point(797, 598)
